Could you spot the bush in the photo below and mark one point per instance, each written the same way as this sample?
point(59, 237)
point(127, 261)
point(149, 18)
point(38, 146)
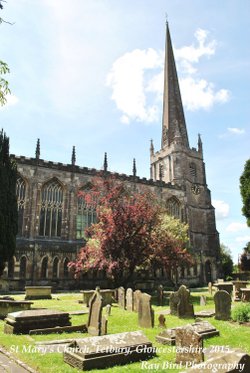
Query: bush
point(241, 313)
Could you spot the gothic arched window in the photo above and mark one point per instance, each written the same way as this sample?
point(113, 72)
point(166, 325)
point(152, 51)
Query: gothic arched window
point(23, 264)
point(21, 194)
point(193, 172)
point(66, 268)
point(86, 212)
point(55, 267)
point(44, 267)
point(174, 207)
point(51, 209)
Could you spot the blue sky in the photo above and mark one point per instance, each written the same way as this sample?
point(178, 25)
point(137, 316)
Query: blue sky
point(89, 73)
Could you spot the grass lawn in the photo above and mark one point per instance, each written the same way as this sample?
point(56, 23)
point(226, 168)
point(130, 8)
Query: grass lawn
point(232, 335)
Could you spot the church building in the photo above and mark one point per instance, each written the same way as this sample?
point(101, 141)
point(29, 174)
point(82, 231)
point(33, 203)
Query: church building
point(52, 217)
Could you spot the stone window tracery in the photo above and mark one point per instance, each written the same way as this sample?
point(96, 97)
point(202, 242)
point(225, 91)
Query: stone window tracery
point(174, 207)
point(86, 212)
point(51, 209)
point(21, 195)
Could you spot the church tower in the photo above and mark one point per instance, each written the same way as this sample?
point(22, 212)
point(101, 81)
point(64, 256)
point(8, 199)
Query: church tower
point(181, 166)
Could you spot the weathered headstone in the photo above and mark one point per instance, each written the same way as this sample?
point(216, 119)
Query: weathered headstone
point(222, 300)
point(173, 302)
point(95, 314)
point(137, 294)
point(38, 292)
point(184, 307)
point(204, 328)
point(109, 350)
point(160, 295)
point(121, 297)
point(129, 300)
point(23, 321)
point(189, 346)
point(8, 306)
point(162, 321)
point(145, 311)
point(203, 300)
point(108, 309)
point(104, 325)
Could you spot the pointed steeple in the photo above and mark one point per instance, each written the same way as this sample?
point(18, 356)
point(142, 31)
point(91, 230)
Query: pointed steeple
point(134, 167)
point(38, 149)
point(105, 162)
point(73, 157)
point(172, 105)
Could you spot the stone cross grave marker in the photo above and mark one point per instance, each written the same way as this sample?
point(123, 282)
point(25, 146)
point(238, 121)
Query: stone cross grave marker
point(121, 297)
point(222, 301)
point(137, 294)
point(189, 345)
point(145, 311)
point(95, 314)
point(129, 300)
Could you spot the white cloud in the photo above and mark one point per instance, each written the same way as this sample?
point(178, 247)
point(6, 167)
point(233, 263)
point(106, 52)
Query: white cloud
point(221, 209)
point(127, 79)
point(136, 80)
point(242, 239)
point(11, 100)
point(235, 130)
point(236, 227)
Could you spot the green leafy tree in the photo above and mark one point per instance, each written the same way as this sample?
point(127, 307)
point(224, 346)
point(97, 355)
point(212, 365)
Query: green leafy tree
point(245, 258)
point(245, 191)
point(8, 203)
point(4, 69)
point(226, 260)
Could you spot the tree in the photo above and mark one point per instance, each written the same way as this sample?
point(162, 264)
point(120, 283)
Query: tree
point(245, 258)
point(226, 260)
point(8, 203)
point(245, 191)
point(4, 85)
point(130, 233)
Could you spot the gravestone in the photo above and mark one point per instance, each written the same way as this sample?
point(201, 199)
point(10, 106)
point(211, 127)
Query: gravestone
point(95, 314)
point(162, 321)
point(210, 288)
point(189, 346)
point(121, 297)
point(129, 300)
point(145, 311)
point(137, 294)
point(9, 306)
point(227, 286)
point(203, 300)
point(222, 301)
point(204, 328)
point(108, 351)
point(160, 295)
point(184, 307)
point(38, 292)
point(23, 321)
point(108, 309)
point(173, 302)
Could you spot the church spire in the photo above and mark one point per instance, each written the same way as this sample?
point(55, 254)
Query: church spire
point(172, 105)
point(200, 147)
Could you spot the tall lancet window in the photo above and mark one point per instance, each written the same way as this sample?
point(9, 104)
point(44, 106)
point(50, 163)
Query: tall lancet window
point(174, 207)
point(21, 194)
point(51, 209)
point(193, 172)
point(86, 211)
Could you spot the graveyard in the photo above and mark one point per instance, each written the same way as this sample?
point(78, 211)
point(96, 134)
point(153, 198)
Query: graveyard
point(134, 325)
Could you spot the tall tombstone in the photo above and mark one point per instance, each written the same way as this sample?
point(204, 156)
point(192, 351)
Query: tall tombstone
point(95, 313)
point(137, 294)
point(184, 307)
point(121, 297)
point(222, 301)
point(129, 300)
point(160, 295)
point(145, 311)
point(210, 288)
point(173, 302)
point(189, 346)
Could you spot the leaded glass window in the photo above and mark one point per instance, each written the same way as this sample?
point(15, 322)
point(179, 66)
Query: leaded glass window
point(173, 207)
point(51, 209)
point(21, 194)
point(86, 213)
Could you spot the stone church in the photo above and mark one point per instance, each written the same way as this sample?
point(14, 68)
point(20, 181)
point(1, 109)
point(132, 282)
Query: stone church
point(52, 216)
